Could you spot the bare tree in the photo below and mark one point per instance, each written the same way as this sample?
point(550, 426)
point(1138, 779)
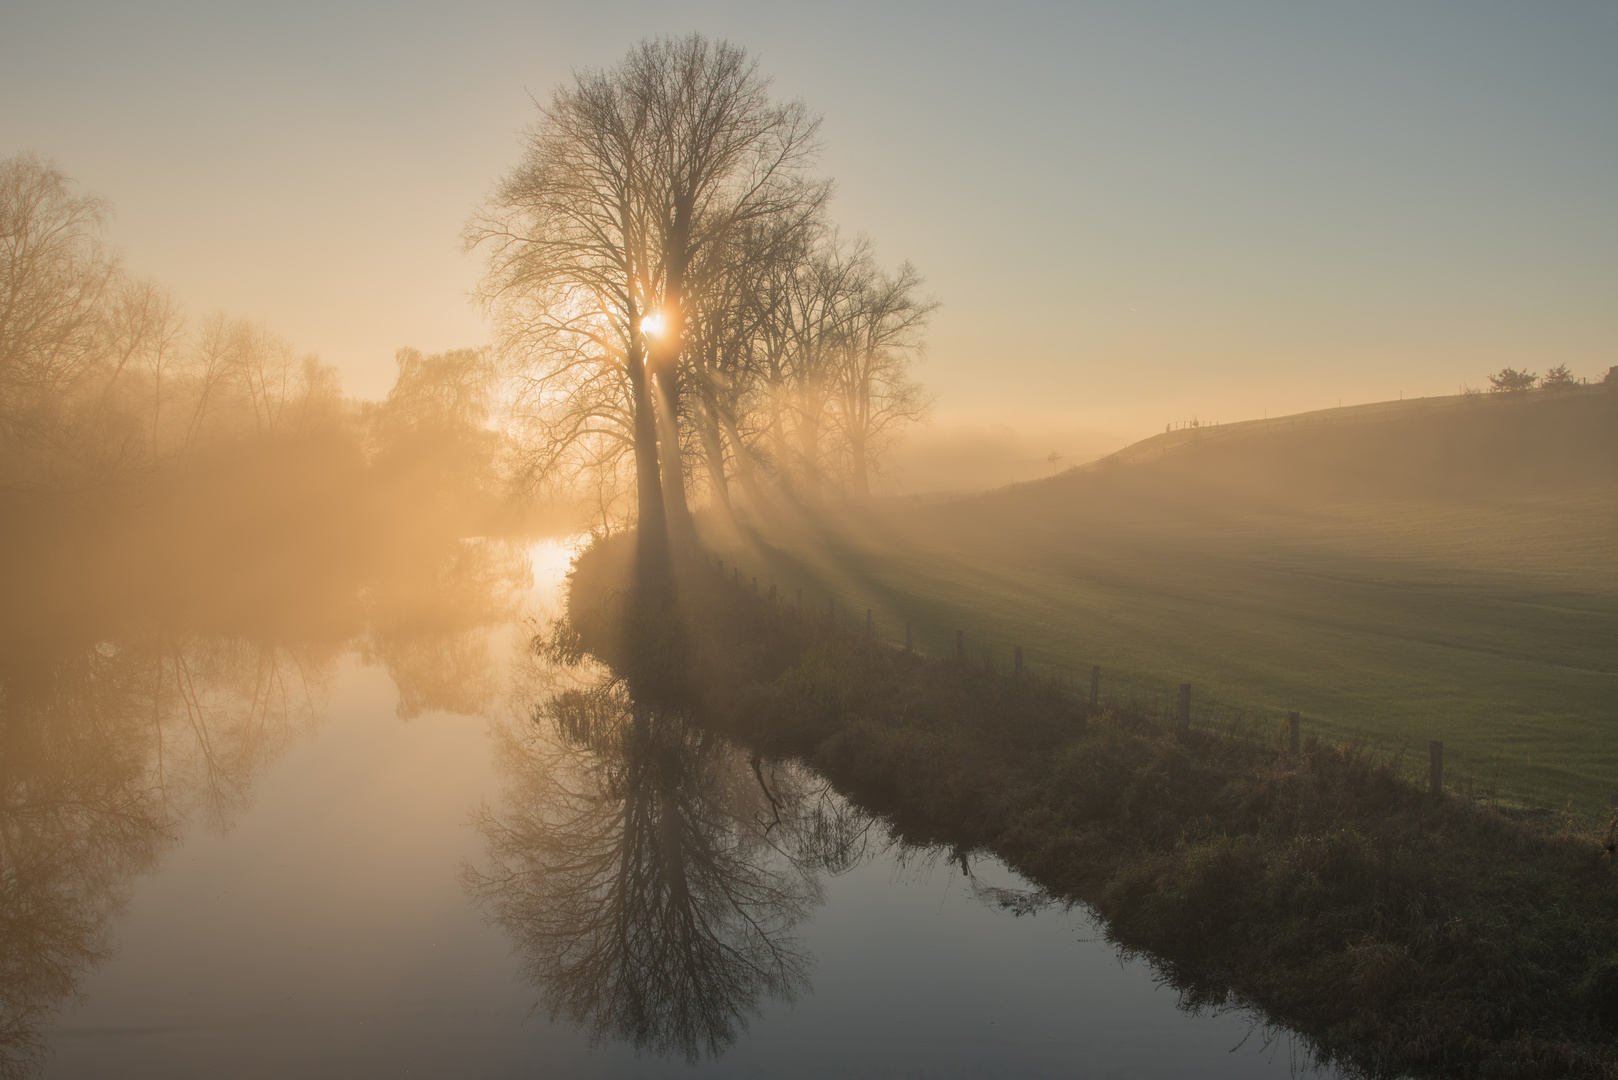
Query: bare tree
point(628, 179)
point(571, 279)
point(726, 156)
point(875, 394)
point(156, 313)
point(54, 279)
point(731, 343)
point(821, 297)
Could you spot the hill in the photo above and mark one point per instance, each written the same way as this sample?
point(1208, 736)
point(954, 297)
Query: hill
point(1440, 568)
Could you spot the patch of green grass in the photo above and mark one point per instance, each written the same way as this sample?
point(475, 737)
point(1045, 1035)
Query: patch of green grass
point(1437, 570)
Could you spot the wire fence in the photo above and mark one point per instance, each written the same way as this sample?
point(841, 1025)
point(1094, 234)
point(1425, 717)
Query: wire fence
point(1496, 779)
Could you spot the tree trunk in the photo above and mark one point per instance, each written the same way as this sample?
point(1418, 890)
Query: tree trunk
point(713, 448)
point(677, 256)
point(744, 462)
point(652, 563)
point(681, 531)
point(862, 473)
point(809, 449)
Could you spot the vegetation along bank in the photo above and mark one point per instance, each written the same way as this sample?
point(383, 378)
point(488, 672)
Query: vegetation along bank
point(1398, 932)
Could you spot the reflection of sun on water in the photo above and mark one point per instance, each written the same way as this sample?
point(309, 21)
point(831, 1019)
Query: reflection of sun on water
point(552, 558)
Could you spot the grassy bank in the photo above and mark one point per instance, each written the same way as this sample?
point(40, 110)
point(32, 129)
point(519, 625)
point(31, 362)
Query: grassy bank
point(1437, 569)
point(1398, 932)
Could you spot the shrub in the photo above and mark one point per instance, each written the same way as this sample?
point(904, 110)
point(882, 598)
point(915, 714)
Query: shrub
point(1558, 378)
point(1511, 381)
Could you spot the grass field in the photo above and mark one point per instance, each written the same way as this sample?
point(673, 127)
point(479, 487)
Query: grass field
point(1434, 569)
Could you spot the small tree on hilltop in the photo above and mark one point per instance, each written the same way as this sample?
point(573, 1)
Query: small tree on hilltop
point(1511, 381)
point(1611, 381)
point(1558, 378)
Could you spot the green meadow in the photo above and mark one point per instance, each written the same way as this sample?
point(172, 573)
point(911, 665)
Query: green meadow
point(1436, 569)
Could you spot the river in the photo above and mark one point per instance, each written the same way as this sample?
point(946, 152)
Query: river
point(368, 848)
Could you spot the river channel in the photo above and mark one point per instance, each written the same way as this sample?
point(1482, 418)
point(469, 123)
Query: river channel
point(245, 852)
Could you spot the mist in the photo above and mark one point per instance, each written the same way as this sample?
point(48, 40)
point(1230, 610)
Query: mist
point(559, 541)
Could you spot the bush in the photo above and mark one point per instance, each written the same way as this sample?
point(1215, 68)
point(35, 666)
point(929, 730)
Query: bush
point(1558, 378)
point(1511, 381)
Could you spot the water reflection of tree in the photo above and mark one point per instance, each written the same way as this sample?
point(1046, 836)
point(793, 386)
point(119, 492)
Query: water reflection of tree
point(102, 748)
point(651, 875)
point(113, 734)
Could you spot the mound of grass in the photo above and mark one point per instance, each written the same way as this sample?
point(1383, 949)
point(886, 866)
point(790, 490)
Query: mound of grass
point(1438, 569)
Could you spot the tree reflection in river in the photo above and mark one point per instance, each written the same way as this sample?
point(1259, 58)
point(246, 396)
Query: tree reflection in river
point(105, 747)
point(114, 731)
point(651, 874)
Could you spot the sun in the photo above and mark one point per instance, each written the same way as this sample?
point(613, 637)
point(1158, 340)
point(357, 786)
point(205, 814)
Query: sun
point(651, 325)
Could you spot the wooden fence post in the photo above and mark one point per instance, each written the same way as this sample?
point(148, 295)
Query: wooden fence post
point(1184, 718)
point(755, 586)
point(960, 647)
point(772, 594)
point(1435, 778)
point(831, 608)
point(1095, 685)
point(1016, 662)
point(910, 643)
point(1292, 733)
point(870, 624)
point(800, 599)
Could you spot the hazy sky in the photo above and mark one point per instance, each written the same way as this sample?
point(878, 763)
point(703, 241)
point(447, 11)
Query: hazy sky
point(1132, 212)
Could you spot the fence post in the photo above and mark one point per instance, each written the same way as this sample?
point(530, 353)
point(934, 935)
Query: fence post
point(772, 594)
point(910, 643)
point(831, 608)
point(870, 624)
point(960, 647)
point(1016, 662)
point(1292, 733)
point(755, 586)
point(1095, 685)
point(800, 599)
point(1435, 778)
point(1184, 718)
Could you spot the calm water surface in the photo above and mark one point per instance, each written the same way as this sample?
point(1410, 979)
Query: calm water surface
point(365, 858)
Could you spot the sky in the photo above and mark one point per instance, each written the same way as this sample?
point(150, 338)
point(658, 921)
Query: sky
point(1131, 213)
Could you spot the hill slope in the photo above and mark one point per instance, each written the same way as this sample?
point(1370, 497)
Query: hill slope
point(1442, 568)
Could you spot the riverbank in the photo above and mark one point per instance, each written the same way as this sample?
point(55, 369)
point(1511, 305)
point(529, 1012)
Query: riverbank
point(1398, 932)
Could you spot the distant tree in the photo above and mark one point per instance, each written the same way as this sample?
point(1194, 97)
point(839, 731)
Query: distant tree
point(1054, 458)
point(1611, 380)
point(1511, 381)
point(55, 280)
point(874, 395)
point(1558, 378)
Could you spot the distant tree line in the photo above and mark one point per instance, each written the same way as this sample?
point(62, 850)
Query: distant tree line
point(105, 383)
point(1510, 380)
point(676, 312)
